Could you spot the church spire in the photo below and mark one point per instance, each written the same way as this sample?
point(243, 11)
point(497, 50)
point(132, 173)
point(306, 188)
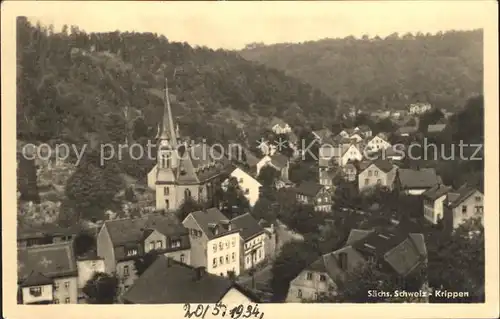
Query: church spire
point(167, 128)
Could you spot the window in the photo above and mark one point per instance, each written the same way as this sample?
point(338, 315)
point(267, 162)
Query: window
point(369, 173)
point(479, 209)
point(233, 256)
point(379, 181)
point(478, 198)
point(159, 244)
point(176, 243)
point(309, 276)
point(233, 242)
point(221, 260)
point(260, 254)
point(367, 181)
point(299, 293)
point(247, 191)
point(56, 286)
point(221, 246)
point(248, 259)
point(182, 258)
point(132, 252)
point(315, 296)
point(66, 300)
point(66, 284)
point(187, 193)
point(214, 263)
point(166, 191)
point(227, 259)
point(227, 243)
point(56, 301)
point(167, 204)
point(35, 291)
point(215, 248)
point(375, 173)
point(322, 278)
point(125, 271)
point(152, 245)
point(464, 209)
point(93, 264)
point(319, 200)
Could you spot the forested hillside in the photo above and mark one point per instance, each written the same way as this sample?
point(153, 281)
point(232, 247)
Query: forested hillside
point(71, 83)
point(443, 69)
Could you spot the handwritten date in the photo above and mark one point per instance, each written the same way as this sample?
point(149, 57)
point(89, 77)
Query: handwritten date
point(221, 310)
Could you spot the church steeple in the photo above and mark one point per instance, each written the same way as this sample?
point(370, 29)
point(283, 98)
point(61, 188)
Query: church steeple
point(167, 130)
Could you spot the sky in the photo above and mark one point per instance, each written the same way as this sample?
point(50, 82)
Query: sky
point(232, 25)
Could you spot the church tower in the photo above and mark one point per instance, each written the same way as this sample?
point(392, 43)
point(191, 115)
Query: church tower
point(167, 159)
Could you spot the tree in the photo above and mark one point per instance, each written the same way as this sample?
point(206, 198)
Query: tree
point(304, 219)
point(27, 180)
point(143, 263)
point(428, 118)
point(83, 243)
point(130, 195)
point(233, 199)
point(457, 262)
point(187, 207)
point(102, 288)
point(268, 176)
point(293, 258)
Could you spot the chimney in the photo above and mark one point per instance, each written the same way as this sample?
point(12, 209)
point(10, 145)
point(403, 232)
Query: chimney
point(199, 273)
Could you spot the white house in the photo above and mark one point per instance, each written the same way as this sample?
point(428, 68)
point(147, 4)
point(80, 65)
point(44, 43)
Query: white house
point(280, 127)
point(215, 244)
point(419, 108)
point(433, 202)
point(253, 238)
point(87, 266)
point(247, 183)
point(351, 153)
point(377, 143)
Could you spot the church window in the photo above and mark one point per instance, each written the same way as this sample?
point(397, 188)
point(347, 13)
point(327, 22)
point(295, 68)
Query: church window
point(167, 204)
point(166, 191)
point(187, 193)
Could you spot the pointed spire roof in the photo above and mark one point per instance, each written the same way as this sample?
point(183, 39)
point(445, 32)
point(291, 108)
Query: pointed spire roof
point(167, 129)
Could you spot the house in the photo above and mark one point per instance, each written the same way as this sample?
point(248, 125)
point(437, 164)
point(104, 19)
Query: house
point(326, 176)
point(433, 202)
point(248, 184)
point(463, 204)
point(167, 281)
point(270, 242)
point(281, 163)
point(416, 181)
point(351, 152)
point(322, 135)
point(406, 130)
point(358, 133)
point(394, 251)
point(377, 143)
point(47, 274)
point(244, 158)
point(45, 234)
point(279, 126)
point(121, 242)
point(435, 128)
point(183, 171)
point(419, 108)
point(87, 266)
point(215, 244)
point(350, 171)
point(394, 153)
point(311, 193)
point(253, 238)
point(378, 173)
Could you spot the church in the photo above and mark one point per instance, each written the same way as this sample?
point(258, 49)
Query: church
point(183, 170)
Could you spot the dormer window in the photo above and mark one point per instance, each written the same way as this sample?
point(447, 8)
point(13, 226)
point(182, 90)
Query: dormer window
point(176, 243)
point(36, 291)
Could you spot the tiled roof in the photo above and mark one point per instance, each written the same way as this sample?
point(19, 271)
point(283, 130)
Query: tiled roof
point(407, 130)
point(308, 188)
point(383, 165)
point(323, 134)
point(25, 231)
point(456, 197)
point(56, 260)
point(130, 230)
point(357, 234)
point(421, 178)
point(436, 191)
point(35, 278)
point(249, 227)
point(167, 281)
point(212, 219)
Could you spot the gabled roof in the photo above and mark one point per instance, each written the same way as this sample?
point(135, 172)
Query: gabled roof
point(436, 191)
point(384, 165)
point(309, 188)
point(210, 220)
point(25, 231)
point(421, 178)
point(323, 134)
point(436, 128)
point(249, 227)
point(55, 260)
point(36, 278)
point(123, 231)
point(279, 122)
point(458, 196)
point(167, 281)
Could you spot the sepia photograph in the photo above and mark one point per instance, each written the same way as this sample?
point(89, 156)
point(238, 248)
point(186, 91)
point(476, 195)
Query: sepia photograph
point(231, 157)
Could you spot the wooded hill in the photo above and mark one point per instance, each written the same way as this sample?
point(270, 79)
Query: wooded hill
point(72, 83)
point(443, 69)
